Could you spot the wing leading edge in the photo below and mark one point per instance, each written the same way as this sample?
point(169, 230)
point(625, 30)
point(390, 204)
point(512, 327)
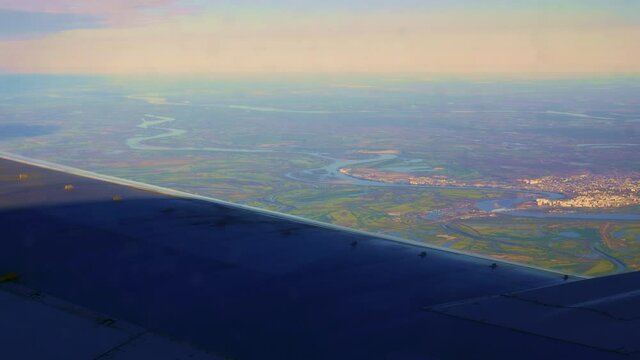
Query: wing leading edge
point(236, 283)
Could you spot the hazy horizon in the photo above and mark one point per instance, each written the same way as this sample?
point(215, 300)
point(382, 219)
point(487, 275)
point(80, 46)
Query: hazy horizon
point(406, 36)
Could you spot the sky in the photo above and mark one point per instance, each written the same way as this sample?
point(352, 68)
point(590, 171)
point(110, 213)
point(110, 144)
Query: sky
point(279, 36)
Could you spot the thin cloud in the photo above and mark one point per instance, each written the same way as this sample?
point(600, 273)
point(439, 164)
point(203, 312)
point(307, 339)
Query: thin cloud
point(22, 24)
point(112, 12)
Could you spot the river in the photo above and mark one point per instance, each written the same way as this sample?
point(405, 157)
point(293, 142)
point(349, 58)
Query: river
point(330, 174)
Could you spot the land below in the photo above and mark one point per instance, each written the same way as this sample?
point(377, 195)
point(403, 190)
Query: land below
point(540, 172)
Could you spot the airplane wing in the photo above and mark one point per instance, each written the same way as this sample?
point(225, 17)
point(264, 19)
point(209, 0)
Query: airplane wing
point(93, 267)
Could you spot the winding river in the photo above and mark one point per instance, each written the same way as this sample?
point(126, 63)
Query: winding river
point(138, 142)
point(330, 173)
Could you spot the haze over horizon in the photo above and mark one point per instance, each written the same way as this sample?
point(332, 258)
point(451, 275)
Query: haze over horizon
point(405, 36)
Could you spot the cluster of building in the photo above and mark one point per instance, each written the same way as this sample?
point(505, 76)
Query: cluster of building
point(588, 190)
point(583, 191)
point(608, 201)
